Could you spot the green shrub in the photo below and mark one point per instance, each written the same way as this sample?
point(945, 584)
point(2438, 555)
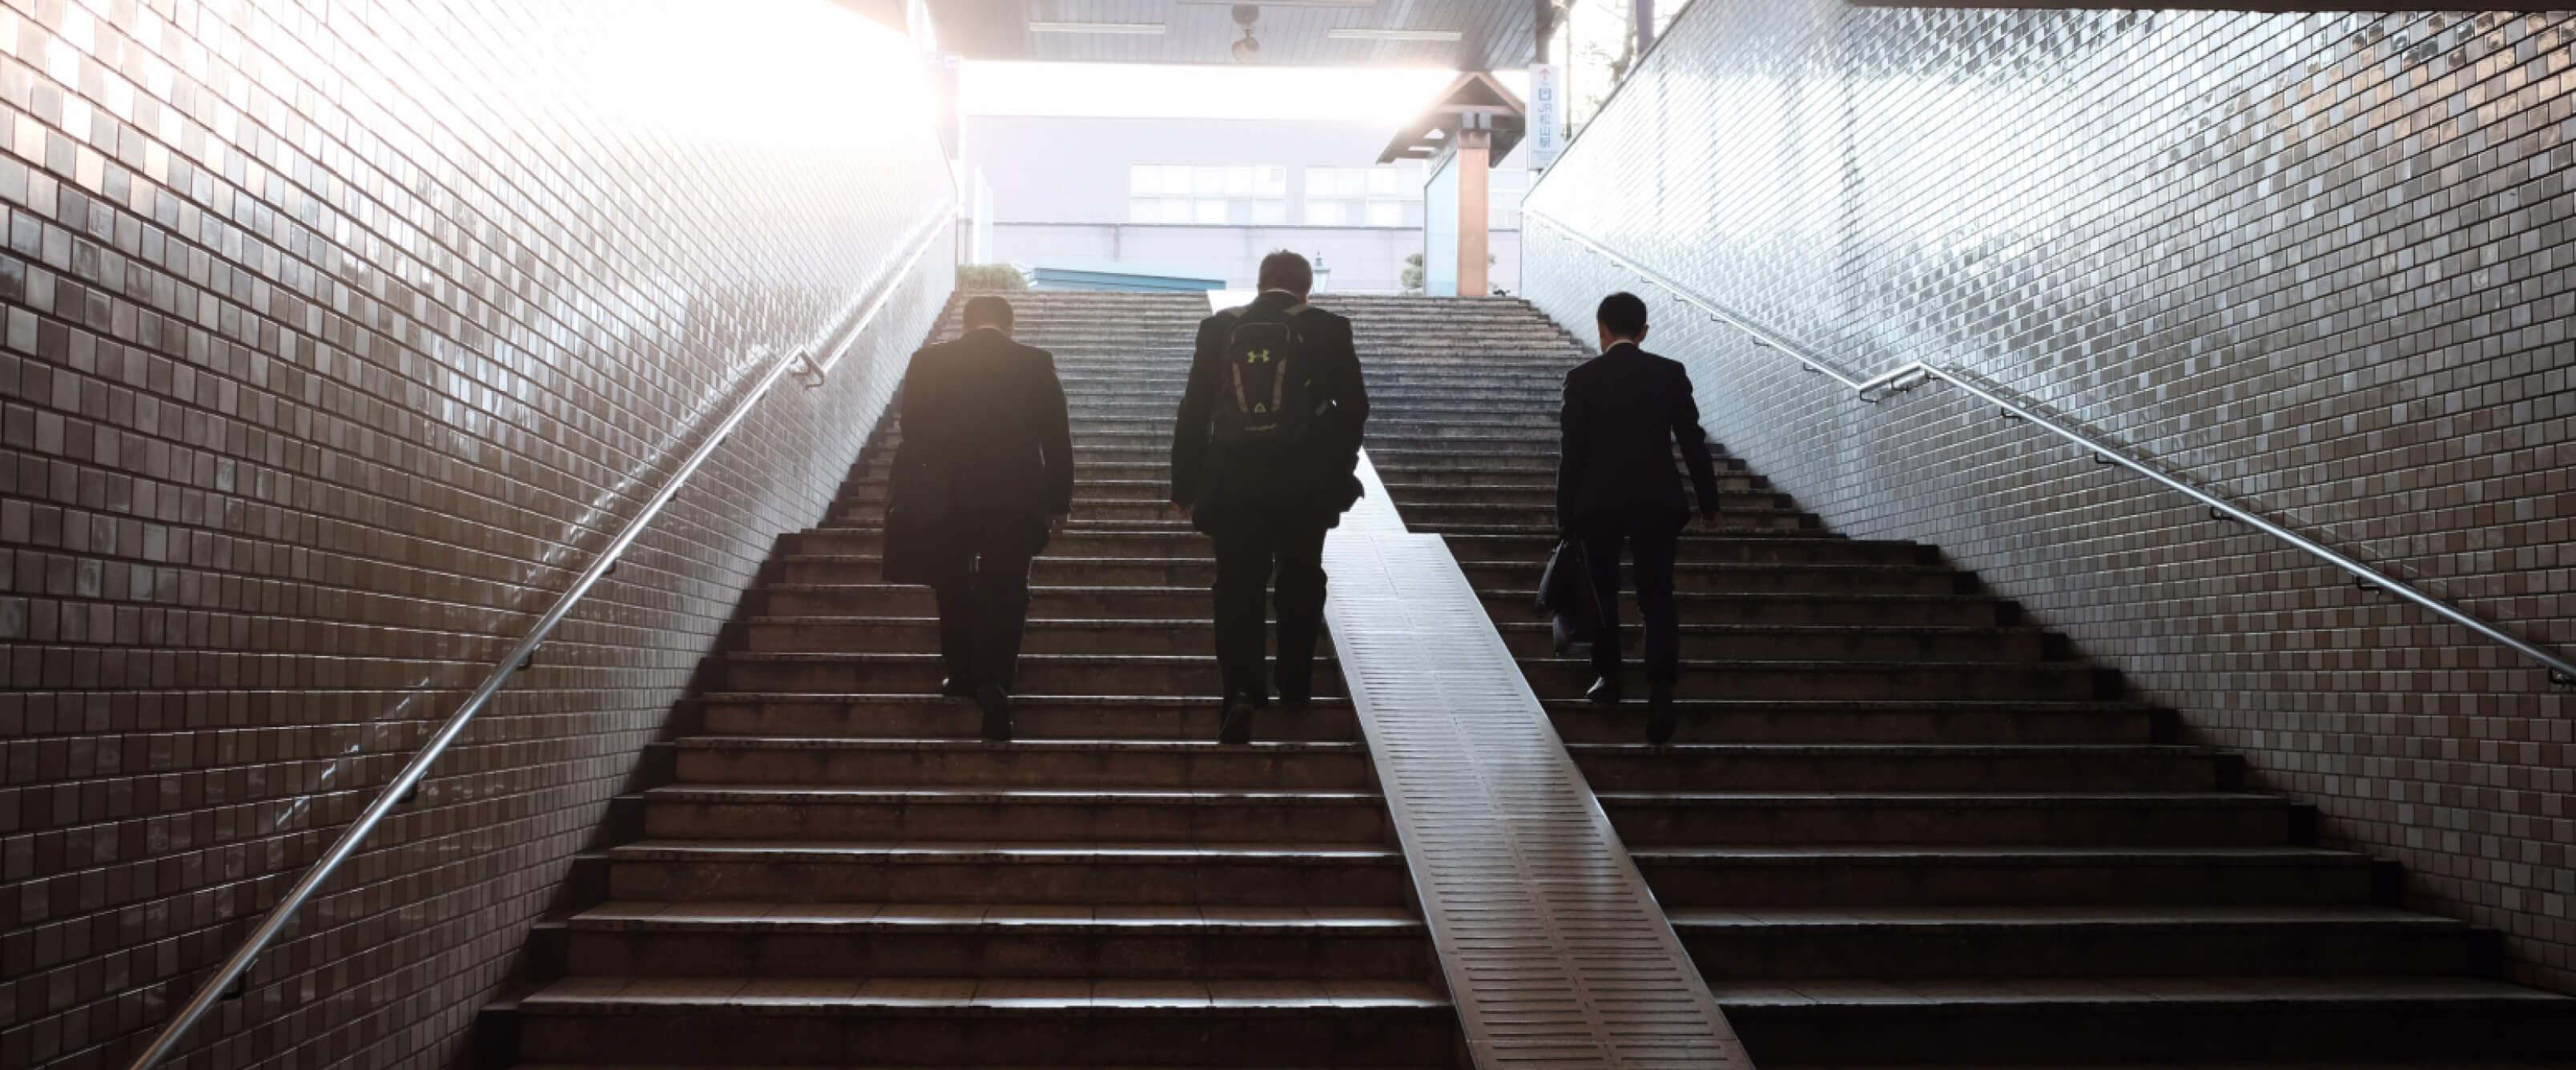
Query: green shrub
point(990, 277)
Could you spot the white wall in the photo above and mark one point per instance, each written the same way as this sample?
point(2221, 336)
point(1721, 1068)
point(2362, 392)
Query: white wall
point(1060, 197)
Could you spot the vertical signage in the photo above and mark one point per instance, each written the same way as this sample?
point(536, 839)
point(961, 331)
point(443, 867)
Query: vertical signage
point(1546, 115)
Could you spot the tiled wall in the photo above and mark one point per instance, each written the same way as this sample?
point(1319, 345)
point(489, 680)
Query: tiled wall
point(2321, 261)
point(339, 335)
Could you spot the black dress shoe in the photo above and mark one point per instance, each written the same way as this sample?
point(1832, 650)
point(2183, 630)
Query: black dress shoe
point(1604, 692)
point(956, 687)
point(996, 705)
point(1660, 722)
point(1236, 729)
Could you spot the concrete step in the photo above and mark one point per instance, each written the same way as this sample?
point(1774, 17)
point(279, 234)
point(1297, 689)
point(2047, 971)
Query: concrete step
point(1177, 590)
point(1561, 678)
point(1088, 717)
point(1087, 813)
point(1798, 642)
point(1155, 487)
point(1087, 512)
point(1537, 455)
point(1888, 767)
point(1825, 607)
point(1056, 940)
point(1989, 875)
point(1740, 518)
point(1114, 873)
point(1125, 634)
point(1540, 502)
point(2448, 1021)
point(1795, 943)
point(1080, 525)
point(1168, 765)
point(1734, 509)
point(1129, 542)
point(1039, 674)
point(1884, 721)
point(1522, 491)
point(1737, 577)
point(1818, 815)
point(969, 1021)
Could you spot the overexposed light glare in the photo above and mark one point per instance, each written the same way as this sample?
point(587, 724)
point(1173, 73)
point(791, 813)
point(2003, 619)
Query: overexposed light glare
point(1387, 95)
point(806, 76)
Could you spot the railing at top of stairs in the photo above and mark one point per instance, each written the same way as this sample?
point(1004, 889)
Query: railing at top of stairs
point(2561, 671)
point(810, 364)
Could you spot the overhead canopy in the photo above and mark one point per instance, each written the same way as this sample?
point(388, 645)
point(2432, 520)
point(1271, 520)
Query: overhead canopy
point(1448, 34)
point(1475, 99)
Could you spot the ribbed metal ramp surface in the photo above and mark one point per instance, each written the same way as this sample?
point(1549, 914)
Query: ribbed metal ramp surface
point(1555, 952)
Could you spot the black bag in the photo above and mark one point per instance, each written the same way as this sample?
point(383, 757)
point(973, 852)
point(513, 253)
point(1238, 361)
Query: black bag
point(916, 524)
point(1568, 598)
point(1265, 407)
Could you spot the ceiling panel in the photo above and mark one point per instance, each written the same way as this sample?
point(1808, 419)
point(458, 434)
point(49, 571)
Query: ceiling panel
point(1492, 34)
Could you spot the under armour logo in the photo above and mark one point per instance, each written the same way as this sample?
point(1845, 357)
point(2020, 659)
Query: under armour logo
point(1257, 356)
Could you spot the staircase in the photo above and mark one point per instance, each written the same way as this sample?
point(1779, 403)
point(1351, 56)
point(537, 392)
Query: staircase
point(1899, 825)
point(842, 874)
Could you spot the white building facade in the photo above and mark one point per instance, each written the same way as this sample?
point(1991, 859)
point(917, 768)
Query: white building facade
point(1208, 198)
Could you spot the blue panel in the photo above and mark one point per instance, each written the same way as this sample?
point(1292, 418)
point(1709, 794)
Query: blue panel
point(1440, 231)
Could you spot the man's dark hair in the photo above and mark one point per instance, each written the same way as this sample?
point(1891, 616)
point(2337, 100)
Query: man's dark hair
point(1623, 315)
point(988, 311)
point(1284, 270)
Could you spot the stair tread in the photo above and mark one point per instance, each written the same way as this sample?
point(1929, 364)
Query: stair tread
point(2018, 853)
point(1858, 630)
point(1003, 850)
point(1018, 702)
point(1065, 795)
point(1899, 750)
point(1262, 748)
point(1688, 706)
point(1717, 665)
point(627, 915)
point(1106, 995)
point(2037, 991)
point(1962, 800)
point(2041, 916)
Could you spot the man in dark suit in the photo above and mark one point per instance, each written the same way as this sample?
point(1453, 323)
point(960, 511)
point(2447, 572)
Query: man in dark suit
point(988, 447)
point(1263, 457)
point(1625, 410)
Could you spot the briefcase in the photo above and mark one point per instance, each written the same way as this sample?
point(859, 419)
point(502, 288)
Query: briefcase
point(1567, 597)
point(916, 525)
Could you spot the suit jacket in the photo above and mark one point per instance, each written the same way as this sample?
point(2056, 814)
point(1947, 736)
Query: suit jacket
point(1320, 489)
point(985, 431)
point(1625, 410)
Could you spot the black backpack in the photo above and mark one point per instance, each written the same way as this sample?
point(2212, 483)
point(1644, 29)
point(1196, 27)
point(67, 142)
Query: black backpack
point(1265, 405)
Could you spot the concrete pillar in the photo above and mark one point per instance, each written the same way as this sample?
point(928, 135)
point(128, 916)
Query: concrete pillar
point(1475, 212)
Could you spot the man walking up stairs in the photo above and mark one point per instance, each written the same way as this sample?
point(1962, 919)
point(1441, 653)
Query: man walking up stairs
point(1898, 825)
point(840, 873)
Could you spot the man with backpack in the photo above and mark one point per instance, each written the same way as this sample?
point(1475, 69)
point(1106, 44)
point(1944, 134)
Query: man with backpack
point(1263, 461)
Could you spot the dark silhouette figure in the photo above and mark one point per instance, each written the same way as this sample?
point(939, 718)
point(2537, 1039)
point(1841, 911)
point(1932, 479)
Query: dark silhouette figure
point(1625, 410)
point(1263, 461)
point(984, 477)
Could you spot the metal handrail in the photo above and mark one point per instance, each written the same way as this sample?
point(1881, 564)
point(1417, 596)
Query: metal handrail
point(1915, 373)
point(215, 988)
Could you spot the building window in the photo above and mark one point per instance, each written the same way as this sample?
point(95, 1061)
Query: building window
point(1388, 195)
point(1177, 193)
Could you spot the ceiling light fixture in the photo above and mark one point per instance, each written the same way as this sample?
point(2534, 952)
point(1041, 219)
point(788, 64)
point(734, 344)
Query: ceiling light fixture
point(1394, 35)
point(1132, 29)
point(1248, 49)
